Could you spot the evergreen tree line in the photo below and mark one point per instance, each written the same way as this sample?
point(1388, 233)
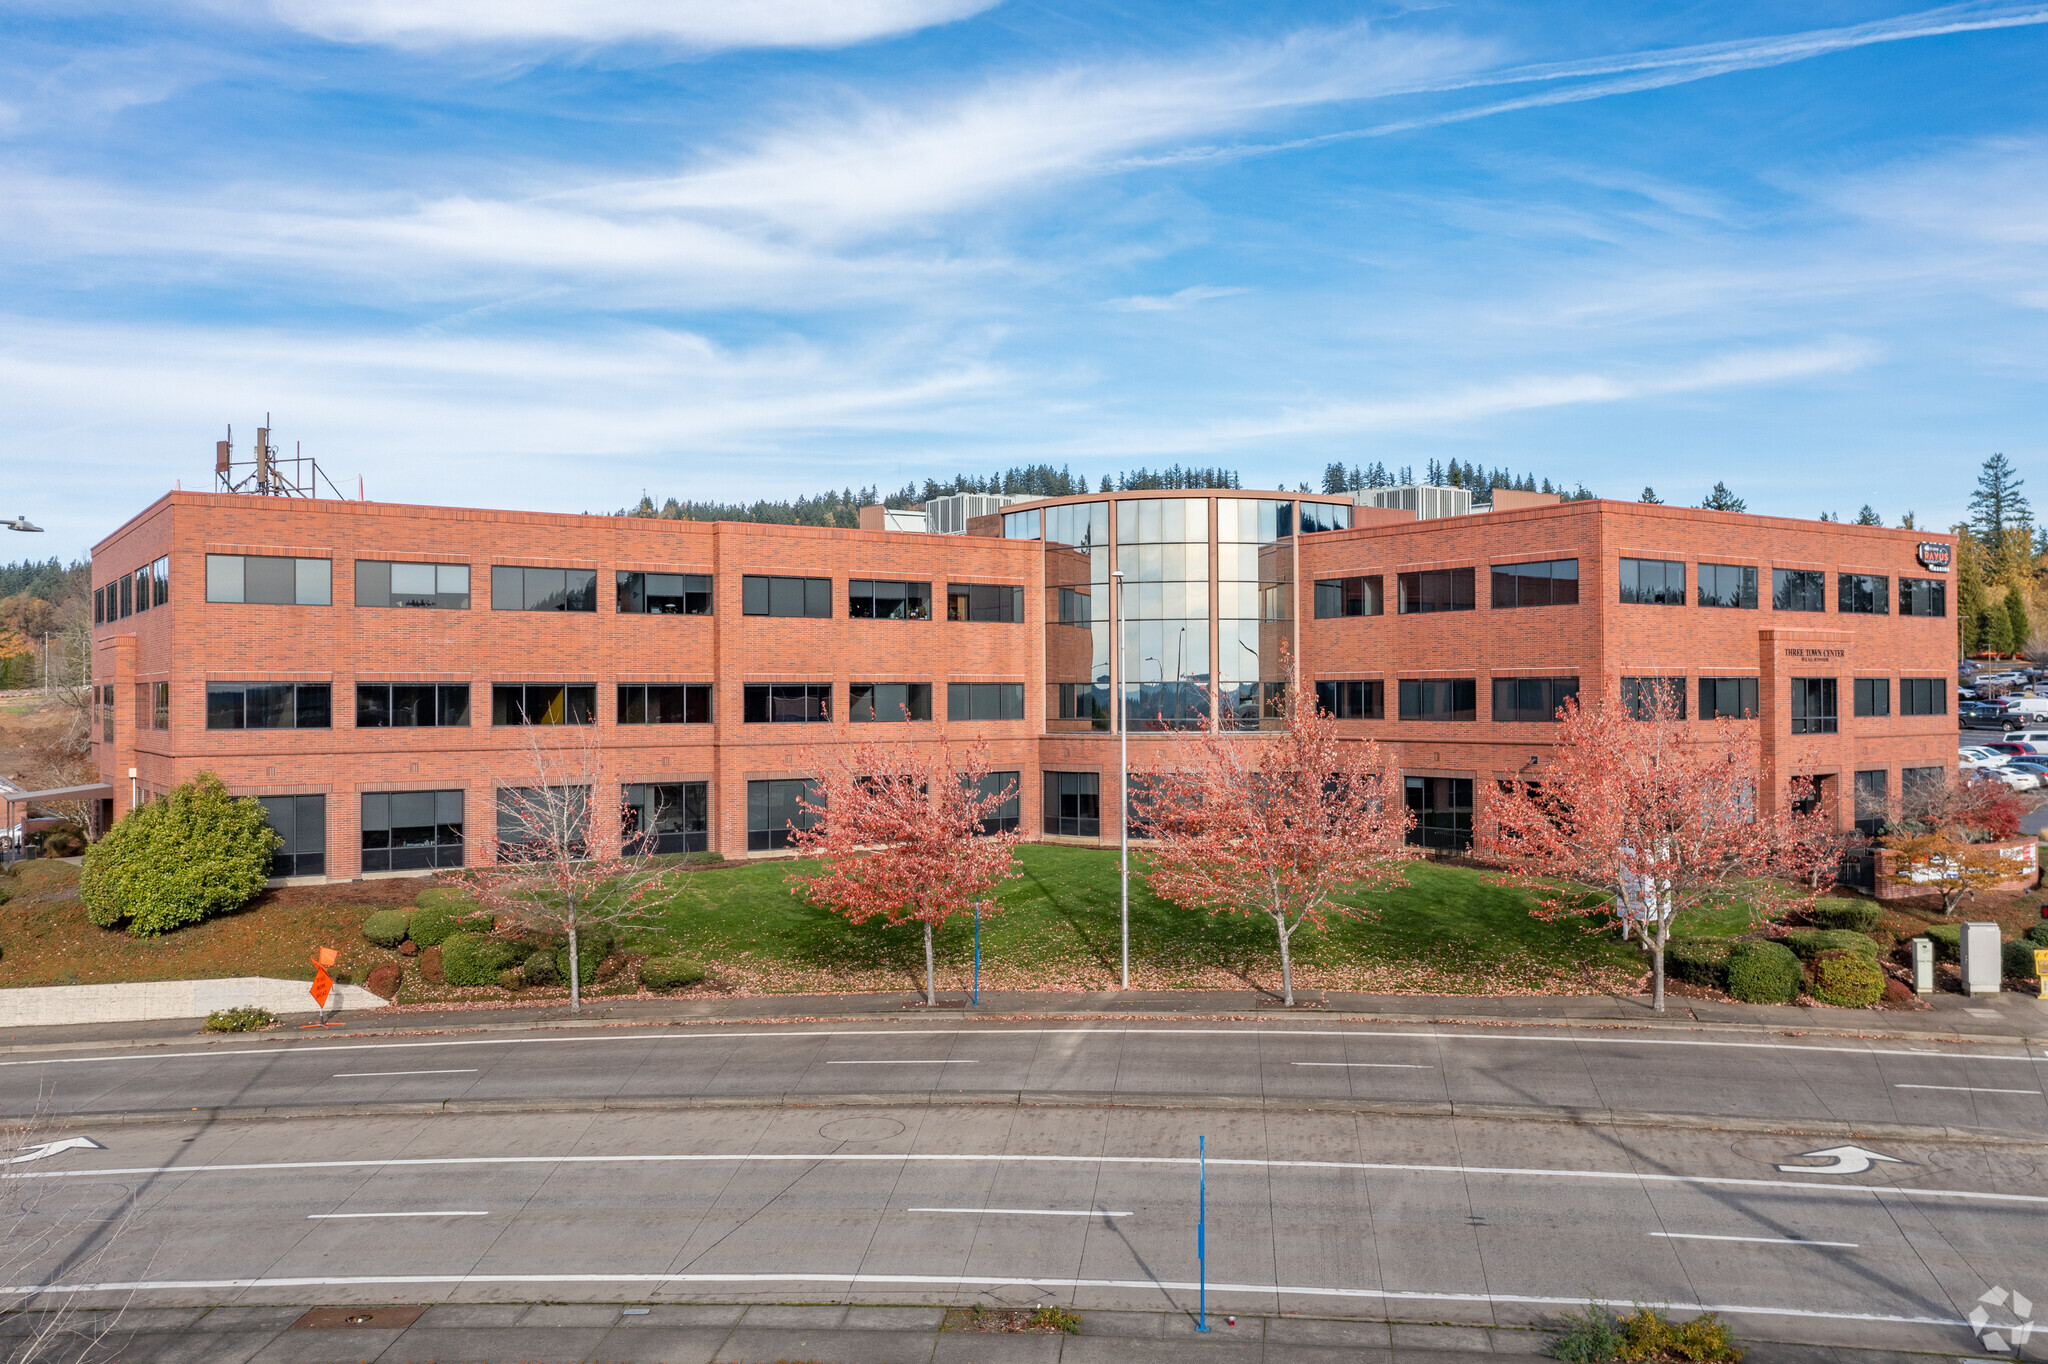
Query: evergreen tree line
point(2001, 560)
point(49, 581)
point(842, 509)
point(1451, 474)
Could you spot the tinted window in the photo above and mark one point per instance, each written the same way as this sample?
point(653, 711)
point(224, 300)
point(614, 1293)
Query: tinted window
point(301, 821)
point(1073, 804)
point(1443, 589)
point(1923, 597)
point(1873, 802)
point(982, 601)
point(1643, 697)
point(1728, 585)
point(1923, 696)
point(543, 703)
point(1360, 596)
point(785, 703)
point(1798, 589)
point(878, 599)
point(1731, 697)
point(1442, 807)
point(765, 596)
point(1007, 815)
point(1526, 700)
point(1353, 700)
point(670, 818)
point(775, 807)
point(664, 594)
point(433, 586)
point(984, 700)
point(1813, 706)
point(412, 830)
point(1873, 696)
point(404, 705)
point(543, 589)
point(269, 705)
point(1553, 582)
point(1453, 698)
point(686, 704)
point(1863, 594)
point(269, 580)
point(888, 701)
point(1653, 582)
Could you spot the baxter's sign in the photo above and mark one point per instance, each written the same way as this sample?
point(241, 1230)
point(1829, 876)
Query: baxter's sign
point(1935, 555)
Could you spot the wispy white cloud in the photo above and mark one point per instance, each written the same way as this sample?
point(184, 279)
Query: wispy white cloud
point(696, 24)
point(1174, 302)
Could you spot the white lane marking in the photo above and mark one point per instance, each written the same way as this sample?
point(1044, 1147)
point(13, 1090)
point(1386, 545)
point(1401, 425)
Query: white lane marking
point(903, 1063)
point(1841, 1160)
point(1750, 1240)
point(1031, 1212)
point(1266, 1290)
point(376, 1074)
point(871, 1157)
point(1584, 1039)
point(343, 1216)
point(1365, 1065)
point(51, 1148)
point(1968, 1089)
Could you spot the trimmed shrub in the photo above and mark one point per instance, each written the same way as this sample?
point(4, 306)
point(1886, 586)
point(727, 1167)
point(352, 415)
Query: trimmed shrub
point(1590, 1337)
point(63, 840)
point(671, 973)
point(248, 1018)
point(442, 912)
point(541, 969)
point(594, 942)
point(384, 979)
point(512, 978)
point(1696, 961)
point(194, 853)
point(2037, 935)
point(1848, 980)
point(1948, 941)
point(2019, 959)
point(1858, 916)
point(472, 959)
point(1808, 943)
point(430, 965)
point(387, 927)
point(1762, 972)
point(1896, 991)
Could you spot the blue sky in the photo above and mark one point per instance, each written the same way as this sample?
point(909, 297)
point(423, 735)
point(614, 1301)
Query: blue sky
point(510, 253)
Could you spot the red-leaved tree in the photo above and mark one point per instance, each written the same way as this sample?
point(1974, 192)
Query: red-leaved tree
point(906, 835)
point(1643, 817)
point(1287, 824)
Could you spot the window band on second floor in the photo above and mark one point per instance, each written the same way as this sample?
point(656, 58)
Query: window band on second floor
point(1355, 596)
point(1548, 582)
point(767, 595)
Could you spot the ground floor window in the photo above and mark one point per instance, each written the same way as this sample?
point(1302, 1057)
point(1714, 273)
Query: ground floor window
point(301, 821)
point(1873, 802)
point(1442, 807)
point(1920, 790)
point(675, 817)
point(1073, 804)
point(543, 823)
point(412, 830)
point(1005, 817)
point(774, 811)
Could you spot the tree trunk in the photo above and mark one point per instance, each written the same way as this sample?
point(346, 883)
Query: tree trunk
point(1286, 969)
point(1657, 967)
point(931, 988)
point(575, 973)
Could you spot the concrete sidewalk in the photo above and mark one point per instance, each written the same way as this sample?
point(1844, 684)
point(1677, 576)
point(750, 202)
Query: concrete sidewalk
point(703, 1333)
point(2004, 1018)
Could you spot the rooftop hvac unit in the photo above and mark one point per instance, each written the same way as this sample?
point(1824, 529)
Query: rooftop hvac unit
point(1426, 500)
point(950, 515)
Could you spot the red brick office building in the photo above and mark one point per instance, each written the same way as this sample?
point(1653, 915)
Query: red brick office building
point(377, 674)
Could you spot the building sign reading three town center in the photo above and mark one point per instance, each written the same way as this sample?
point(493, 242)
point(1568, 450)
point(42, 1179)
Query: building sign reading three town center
point(1935, 555)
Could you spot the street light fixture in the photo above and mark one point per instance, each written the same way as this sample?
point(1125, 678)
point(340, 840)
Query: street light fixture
point(1123, 780)
point(22, 523)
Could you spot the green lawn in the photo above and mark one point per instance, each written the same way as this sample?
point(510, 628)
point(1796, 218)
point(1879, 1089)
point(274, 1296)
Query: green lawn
point(1449, 931)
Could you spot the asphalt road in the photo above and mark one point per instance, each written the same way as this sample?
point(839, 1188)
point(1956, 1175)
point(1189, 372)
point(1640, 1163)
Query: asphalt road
point(1740, 1076)
point(1322, 1213)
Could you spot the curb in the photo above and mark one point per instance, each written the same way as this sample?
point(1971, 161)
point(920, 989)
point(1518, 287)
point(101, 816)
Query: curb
point(1586, 1117)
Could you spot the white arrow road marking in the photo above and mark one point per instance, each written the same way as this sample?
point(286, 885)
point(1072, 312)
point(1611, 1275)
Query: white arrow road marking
point(1842, 1160)
point(51, 1148)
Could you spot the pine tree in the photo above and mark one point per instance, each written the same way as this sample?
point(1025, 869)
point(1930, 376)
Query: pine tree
point(1867, 517)
point(1973, 603)
point(1906, 522)
point(1720, 499)
point(1334, 478)
point(1830, 516)
point(1650, 496)
point(1997, 506)
point(2018, 629)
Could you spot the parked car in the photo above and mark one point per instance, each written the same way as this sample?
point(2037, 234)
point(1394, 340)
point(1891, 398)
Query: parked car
point(1985, 715)
point(2018, 781)
point(2037, 770)
point(2037, 737)
point(2013, 748)
point(1980, 757)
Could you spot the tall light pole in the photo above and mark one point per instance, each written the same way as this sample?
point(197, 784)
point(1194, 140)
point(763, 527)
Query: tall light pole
point(1123, 778)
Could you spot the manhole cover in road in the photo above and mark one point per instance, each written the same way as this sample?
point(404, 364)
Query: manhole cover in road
point(860, 1129)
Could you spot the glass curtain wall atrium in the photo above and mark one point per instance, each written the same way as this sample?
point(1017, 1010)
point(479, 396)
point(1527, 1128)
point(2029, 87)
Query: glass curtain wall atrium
point(1172, 574)
point(1162, 546)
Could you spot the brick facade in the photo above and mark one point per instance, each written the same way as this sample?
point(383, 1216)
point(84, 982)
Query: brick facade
point(187, 642)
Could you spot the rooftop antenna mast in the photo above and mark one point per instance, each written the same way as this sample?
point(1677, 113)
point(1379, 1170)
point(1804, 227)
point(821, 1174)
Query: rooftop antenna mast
point(264, 474)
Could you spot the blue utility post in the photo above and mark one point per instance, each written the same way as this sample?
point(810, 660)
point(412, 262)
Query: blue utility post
point(977, 953)
point(1202, 1239)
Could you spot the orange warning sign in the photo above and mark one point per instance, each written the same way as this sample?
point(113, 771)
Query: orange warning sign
point(323, 984)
